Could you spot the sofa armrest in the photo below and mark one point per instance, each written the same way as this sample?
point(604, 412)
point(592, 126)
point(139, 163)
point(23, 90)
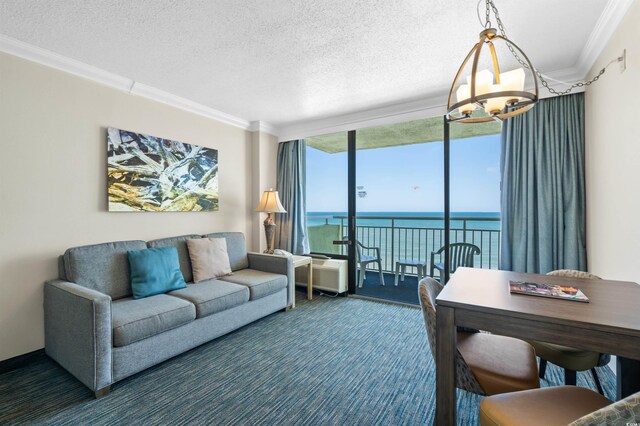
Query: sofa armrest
point(77, 323)
point(277, 265)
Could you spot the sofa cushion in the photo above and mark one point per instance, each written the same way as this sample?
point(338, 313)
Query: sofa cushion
point(137, 319)
point(213, 296)
point(180, 243)
point(260, 283)
point(102, 267)
point(236, 248)
point(154, 271)
point(209, 258)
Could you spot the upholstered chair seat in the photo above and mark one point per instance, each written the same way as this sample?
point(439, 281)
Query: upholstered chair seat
point(566, 357)
point(555, 406)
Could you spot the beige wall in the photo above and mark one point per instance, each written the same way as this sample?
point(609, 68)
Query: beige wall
point(613, 158)
point(265, 153)
point(53, 182)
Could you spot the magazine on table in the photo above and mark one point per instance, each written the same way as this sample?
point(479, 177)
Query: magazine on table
point(547, 290)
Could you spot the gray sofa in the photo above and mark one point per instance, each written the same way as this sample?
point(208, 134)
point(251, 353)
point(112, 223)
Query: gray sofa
point(100, 334)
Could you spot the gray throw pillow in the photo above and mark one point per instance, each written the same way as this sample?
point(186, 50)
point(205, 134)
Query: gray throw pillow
point(209, 258)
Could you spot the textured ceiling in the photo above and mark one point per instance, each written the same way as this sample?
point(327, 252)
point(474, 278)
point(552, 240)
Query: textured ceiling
point(285, 61)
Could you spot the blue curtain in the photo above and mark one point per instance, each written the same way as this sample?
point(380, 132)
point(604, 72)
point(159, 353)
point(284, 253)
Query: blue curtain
point(292, 225)
point(543, 194)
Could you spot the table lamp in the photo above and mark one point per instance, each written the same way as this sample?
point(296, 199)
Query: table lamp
point(270, 203)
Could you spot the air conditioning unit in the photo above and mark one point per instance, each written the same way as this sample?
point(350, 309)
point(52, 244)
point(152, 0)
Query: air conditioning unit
point(328, 275)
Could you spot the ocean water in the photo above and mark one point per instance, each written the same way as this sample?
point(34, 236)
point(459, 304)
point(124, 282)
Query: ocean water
point(414, 235)
point(474, 220)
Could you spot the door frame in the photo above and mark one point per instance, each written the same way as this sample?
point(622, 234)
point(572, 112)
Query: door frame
point(351, 211)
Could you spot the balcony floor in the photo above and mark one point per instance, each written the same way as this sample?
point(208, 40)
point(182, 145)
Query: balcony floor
point(405, 292)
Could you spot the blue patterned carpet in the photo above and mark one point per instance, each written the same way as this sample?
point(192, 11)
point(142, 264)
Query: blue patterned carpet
point(339, 361)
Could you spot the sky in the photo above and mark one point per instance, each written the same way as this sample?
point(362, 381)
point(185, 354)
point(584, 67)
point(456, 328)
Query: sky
point(409, 178)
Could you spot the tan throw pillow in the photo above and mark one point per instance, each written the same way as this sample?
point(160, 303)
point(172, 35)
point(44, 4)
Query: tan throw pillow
point(209, 258)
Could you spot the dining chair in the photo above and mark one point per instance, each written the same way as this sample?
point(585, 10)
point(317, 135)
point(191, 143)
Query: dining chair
point(460, 254)
point(570, 359)
point(556, 406)
point(486, 364)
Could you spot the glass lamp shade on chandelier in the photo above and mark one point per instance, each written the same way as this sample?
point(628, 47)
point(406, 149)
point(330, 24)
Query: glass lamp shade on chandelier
point(499, 94)
point(270, 203)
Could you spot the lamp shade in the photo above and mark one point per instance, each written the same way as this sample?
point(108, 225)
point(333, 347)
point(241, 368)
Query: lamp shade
point(464, 93)
point(513, 81)
point(270, 203)
point(484, 79)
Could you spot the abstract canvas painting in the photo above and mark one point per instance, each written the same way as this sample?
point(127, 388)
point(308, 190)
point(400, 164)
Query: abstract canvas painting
point(147, 173)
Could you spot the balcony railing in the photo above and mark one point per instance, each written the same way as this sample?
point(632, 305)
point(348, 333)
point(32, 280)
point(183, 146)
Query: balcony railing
point(405, 237)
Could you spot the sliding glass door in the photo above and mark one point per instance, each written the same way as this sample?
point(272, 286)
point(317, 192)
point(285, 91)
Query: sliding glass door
point(327, 192)
point(328, 188)
point(475, 197)
point(399, 208)
point(377, 198)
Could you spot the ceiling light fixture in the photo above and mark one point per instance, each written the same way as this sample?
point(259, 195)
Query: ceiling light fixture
point(500, 94)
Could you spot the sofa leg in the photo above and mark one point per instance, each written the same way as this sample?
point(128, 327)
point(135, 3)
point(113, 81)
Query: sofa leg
point(102, 392)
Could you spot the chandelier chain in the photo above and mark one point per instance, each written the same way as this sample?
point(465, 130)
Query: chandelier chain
point(487, 21)
point(490, 6)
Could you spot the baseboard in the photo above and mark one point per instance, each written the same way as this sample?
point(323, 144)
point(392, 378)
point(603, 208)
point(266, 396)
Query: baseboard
point(21, 360)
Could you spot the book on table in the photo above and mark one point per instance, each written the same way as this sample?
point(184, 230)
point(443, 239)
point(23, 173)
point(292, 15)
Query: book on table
point(547, 290)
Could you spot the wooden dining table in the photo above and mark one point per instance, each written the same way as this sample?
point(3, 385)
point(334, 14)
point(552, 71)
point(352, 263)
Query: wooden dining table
point(480, 298)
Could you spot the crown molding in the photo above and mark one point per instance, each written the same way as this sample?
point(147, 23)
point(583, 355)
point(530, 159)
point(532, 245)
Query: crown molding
point(54, 60)
point(158, 95)
point(263, 127)
point(613, 13)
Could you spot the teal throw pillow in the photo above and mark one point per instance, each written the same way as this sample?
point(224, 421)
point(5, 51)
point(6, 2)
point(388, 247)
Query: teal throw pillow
point(154, 271)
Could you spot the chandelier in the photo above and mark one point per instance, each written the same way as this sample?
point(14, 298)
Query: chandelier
point(499, 94)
